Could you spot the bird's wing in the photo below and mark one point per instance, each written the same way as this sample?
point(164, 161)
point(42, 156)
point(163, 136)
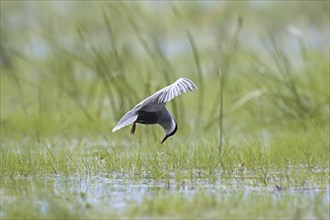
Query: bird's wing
point(129, 118)
point(158, 100)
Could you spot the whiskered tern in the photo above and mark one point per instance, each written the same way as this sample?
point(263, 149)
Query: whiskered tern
point(152, 110)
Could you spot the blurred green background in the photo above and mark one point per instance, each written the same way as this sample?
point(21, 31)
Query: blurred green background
point(74, 68)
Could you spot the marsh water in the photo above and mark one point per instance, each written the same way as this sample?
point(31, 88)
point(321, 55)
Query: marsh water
point(117, 192)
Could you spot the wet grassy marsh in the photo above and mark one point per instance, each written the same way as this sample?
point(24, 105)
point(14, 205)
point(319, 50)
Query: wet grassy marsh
point(253, 140)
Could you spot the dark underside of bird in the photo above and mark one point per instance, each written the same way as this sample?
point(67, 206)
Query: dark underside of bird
point(145, 117)
point(152, 110)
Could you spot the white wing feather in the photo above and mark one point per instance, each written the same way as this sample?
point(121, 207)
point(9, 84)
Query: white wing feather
point(168, 93)
point(129, 118)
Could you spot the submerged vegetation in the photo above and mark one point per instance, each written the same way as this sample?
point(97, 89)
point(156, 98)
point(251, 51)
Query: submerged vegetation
point(252, 141)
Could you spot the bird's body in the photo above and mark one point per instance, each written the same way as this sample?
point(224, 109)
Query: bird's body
point(152, 110)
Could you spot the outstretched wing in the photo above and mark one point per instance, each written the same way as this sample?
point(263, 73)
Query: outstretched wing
point(129, 118)
point(168, 93)
point(157, 101)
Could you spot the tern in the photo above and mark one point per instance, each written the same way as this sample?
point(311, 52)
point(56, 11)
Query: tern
point(152, 110)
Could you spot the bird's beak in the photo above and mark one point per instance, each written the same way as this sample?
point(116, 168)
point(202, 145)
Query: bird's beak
point(164, 139)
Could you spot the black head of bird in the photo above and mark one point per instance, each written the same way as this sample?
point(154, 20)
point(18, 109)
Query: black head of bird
point(152, 110)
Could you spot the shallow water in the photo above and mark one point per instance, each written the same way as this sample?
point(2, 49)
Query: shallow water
point(117, 192)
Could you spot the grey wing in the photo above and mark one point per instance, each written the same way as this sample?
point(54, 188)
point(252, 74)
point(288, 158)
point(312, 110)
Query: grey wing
point(168, 93)
point(129, 118)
